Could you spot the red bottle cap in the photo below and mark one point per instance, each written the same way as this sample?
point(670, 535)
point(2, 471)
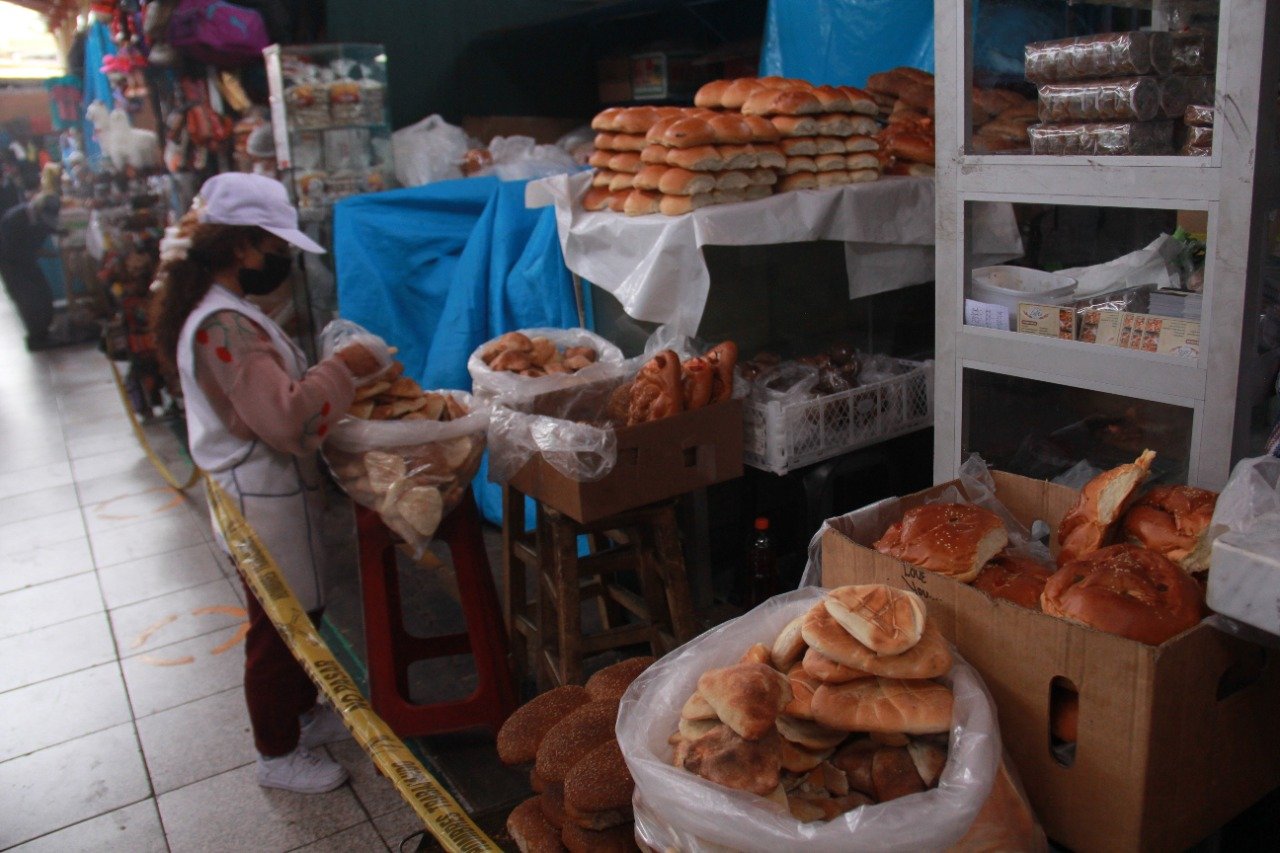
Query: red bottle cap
point(762, 523)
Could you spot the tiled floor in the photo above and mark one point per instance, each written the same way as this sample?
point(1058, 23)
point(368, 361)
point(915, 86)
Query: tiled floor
point(122, 720)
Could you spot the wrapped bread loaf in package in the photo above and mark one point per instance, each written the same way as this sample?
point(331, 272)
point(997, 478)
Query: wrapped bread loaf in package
point(1153, 137)
point(410, 459)
point(1101, 55)
point(1121, 99)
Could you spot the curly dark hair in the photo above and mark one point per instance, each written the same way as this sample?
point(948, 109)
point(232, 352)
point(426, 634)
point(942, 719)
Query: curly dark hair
point(184, 282)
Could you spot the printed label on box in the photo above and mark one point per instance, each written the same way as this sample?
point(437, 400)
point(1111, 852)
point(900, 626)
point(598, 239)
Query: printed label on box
point(1051, 321)
point(1143, 332)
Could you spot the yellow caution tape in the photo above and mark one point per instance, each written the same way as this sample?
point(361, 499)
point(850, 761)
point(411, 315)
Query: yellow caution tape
point(141, 435)
point(439, 811)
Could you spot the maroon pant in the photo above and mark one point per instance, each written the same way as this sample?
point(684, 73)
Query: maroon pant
point(276, 687)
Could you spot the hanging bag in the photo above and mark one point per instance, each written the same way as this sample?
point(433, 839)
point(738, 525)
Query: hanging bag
point(217, 32)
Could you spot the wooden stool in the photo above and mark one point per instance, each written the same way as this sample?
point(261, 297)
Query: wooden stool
point(546, 632)
point(392, 649)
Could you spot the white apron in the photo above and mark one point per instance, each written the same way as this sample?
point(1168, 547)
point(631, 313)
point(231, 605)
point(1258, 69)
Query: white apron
point(280, 495)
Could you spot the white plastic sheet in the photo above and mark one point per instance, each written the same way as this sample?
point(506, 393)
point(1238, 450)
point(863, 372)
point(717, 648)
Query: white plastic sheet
point(676, 809)
point(518, 392)
point(654, 266)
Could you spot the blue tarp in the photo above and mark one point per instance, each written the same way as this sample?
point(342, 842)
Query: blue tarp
point(438, 270)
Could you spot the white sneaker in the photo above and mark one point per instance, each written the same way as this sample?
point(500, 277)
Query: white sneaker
point(321, 725)
point(301, 771)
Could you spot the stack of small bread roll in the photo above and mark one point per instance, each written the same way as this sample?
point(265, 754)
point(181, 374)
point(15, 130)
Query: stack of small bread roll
point(826, 131)
point(620, 137)
point(840, 713)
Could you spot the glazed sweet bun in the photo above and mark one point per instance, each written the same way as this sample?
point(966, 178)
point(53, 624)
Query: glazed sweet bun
point(956, 540)
point(1126, 590)
point(1014, 578)
point(1088, 525)
point(1172, 520)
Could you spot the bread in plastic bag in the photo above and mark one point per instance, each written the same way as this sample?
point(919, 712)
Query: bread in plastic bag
point(520, 392)
point(429, 151)
point(1150, 138)
point(580, 451)
point(1100, 55)
point(676, 809)
point(411, 472)
point(339, 334)
point(1122, 99)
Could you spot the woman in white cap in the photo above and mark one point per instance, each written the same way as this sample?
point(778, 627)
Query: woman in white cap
point(255, 417)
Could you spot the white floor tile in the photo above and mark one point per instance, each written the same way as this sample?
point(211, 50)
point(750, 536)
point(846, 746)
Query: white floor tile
point(167, 619)
point(57, 650)
point(46, 562)
point(197, 740)
point(34, 479)
point(173, 675)
point(61, 709)
point(159, 536)
point(160, 574)
point(48, 604)
point(132, 829)
point(38, 503)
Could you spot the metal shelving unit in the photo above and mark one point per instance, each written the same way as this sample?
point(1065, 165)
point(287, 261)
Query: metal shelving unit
point(1239, 189)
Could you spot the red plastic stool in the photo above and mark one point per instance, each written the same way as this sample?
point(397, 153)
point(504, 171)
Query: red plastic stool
point(391, 648)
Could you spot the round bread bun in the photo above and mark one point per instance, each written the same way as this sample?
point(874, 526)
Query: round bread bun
point(677, 205)
point(829, 162)
point(738, 156)
point(859, 162)
point(914, 147)
point(602, 177)
point(530, 829)
point(1172, 520)
point(834, 124)
point(600, 158)
point(600, 781)
point(1125, 590)
point(615, 839)
point(700, 158)
point(956, 540)
point(522, 733)
point(823, 669)
point(796, 146)
point(709, 95)
point(789, 645)
point(653, 154)
point(737, 92)
point(618, 199)
point(833, 99)
point(884, 705)
point(799, 181)
point(625, 161)
point(1088, 525)
point(929, 658)
point(795, 125)
point(605, 120)
point(648, 178)
point(860, 144)
point(608, 684)
point(1015, 579)
point(886, 620)
point(677, 181)
point(628, 142)
point(572, 737)
point(762, 130)
point(596, 198)
point(860, 102)
point(730, 129)
point(688, 132)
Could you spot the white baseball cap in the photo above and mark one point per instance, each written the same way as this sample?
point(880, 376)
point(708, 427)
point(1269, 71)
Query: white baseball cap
point(236, 198)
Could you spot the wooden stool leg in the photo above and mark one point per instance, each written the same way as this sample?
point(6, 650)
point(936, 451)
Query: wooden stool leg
point(545, 603)
point(612, 614)
point(670, 566)
point(514, 591)
point(650, 577)
point(564, 544)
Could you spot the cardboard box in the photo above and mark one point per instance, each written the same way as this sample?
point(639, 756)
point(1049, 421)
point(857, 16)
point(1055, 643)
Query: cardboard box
point(1174, 740)
point(1193, 221)
point(665, 75)
point(656, 461)
point(1053, 321)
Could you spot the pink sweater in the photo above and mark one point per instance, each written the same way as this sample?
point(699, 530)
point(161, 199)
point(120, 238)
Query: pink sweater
point(247, 384)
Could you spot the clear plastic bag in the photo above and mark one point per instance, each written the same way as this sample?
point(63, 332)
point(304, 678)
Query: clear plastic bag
point(412, 473)
point(580, 451)
point(521, 158)
point(1101, 55)
point(340, 334)
point(429, 151)
point(519, 392)
point(676, 809)
point(1198, 115)
point(786, 383)
point(1154, 137)
point(1122, 99)
point(1193, 52)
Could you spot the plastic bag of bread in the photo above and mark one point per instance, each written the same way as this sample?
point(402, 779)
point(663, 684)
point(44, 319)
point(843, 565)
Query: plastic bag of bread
point(413, 471)
point(676, 809)
point(517, 367)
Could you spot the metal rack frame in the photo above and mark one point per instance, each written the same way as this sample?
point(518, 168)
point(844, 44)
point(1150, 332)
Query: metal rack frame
point(1237, 186)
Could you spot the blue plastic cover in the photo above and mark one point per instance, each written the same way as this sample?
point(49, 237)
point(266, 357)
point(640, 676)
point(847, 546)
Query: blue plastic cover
point(439, 269)
point(843, 41)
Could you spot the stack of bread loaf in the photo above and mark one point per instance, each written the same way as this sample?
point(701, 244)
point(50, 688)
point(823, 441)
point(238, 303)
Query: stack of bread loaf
point(905, 97)
point(825, 131)
point(1144, 588)
point(840, 713)
point(620, 138)
point(582, 785)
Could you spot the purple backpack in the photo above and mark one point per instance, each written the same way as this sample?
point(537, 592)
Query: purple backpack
point(218, 32)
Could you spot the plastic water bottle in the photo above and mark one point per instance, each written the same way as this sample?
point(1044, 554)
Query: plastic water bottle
point(762, 563)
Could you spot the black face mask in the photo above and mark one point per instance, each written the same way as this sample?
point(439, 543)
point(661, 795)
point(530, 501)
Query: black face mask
point(275, 269)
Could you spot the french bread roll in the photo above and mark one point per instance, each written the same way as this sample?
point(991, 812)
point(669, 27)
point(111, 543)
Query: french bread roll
point(568, 740)
point(732, 180)
point(730, 129)
point(700, 158)
point(608, 684)
point(762, 177)
point(795, 125)
point(1125, 590)
point(829, 144)
point(860, 144)
point(746, 697)
point(800, 164)
point(709, 95)
point(648, 177)
point(797, 146)
point(866, 160)
point(829, 162)
point(956, 540)
point(739, 156)
point(618, 200)
point(918, 96)
point(789, 646)
point(723, 757)
point(602, 178)
point(677, 181)
point(521, 734)
point(833, 179)
point(799, 181)
point(1089, 524)
point(884, 705)
point(1013, 578)
point(1173, 520)
point(762, 130)
point(596, 198)
point(621, 181)
point(929, 658)
point(833, 124)
point(886, 620)
point(626, 161)
point(833, 99)
point(824, 669)
point(530, 829)
point(628, 142)
point(860, 102)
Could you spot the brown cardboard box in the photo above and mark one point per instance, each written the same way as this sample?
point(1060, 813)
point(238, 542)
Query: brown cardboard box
point(1193, 221)
point(656, 460)
point(1170, 746)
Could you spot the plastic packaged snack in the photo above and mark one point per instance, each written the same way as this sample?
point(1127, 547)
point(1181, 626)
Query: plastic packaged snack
point(1202, 89)
point(372, 95)
point(1198, 115)
point(1193, 53)
point(1102, 55)
point(1199, 137)
point(1149, 138)
point(1174, 96)
point(1120, 99)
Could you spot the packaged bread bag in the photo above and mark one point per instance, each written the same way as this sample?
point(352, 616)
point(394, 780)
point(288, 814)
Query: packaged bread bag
point(678, 809)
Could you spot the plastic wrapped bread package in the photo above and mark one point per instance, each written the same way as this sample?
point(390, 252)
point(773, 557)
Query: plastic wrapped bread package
point(1193, 53)
point(1201, 89)
point(1120, 99)
point(1175, 96)
point(1149, 138)
point(1198, 115)
point(1102, 55)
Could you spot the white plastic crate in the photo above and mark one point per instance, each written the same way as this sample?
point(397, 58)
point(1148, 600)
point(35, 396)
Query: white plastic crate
point(781, 438)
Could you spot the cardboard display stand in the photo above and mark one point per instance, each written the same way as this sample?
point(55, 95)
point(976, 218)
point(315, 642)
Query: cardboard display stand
point(1174, 740)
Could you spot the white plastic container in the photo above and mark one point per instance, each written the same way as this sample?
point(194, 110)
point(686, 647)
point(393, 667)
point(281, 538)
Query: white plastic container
point(1006, 286)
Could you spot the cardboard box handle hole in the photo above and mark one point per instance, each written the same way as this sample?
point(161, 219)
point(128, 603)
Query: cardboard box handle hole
point(1064, 716)
point(1245, 670)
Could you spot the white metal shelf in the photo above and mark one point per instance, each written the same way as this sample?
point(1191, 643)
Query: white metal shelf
point(1172, 182)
